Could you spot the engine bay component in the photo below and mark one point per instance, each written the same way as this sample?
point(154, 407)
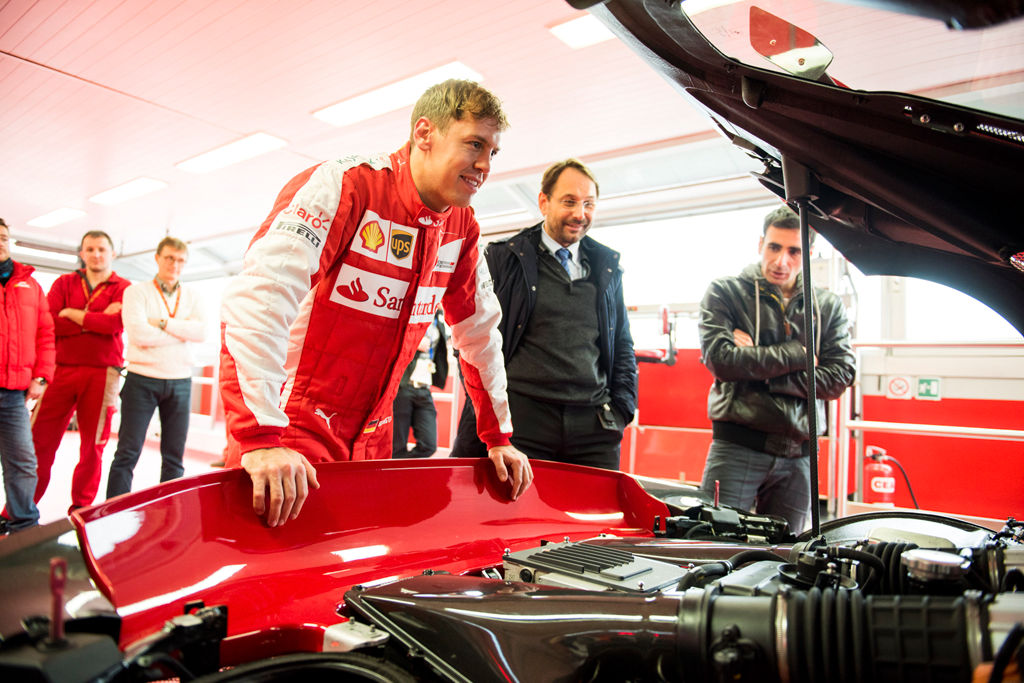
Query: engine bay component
point(924, 564)
point(579, 565)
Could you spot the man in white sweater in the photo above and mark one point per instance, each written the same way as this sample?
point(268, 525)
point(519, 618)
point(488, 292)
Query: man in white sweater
point(161, 316)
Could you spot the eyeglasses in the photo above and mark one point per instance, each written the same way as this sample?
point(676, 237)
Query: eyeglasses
point(572, 204)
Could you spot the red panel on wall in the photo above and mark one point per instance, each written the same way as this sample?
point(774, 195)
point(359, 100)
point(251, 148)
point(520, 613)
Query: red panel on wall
point(444, 413)
point(971, 476)
point(675, 395)
point(680, 454)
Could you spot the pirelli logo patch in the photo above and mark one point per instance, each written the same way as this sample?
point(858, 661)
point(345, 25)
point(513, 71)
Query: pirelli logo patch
point(300, 230)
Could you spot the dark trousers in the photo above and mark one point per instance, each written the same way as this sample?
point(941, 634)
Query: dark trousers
point(140, 397)
point(414, 406)
point(466, 443)
point(579, 435)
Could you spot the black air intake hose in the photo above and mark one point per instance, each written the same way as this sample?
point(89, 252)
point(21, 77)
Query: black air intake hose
point(893, 580)
point(843, 636)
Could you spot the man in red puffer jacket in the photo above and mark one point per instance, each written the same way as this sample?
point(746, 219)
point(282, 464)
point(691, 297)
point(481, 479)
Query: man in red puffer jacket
point(27, 363)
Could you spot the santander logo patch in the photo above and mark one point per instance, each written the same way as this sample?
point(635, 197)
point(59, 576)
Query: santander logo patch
point(384, 296)
point(369, 292)
point(353, 291)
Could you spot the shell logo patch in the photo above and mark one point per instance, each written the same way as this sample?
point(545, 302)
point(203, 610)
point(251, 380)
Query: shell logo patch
point(372, 236)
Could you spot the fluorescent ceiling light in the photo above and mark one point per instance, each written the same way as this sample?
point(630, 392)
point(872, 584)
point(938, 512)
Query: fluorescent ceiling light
point(48, 220)
point(43, 254)
point(582, 32)
point(506, 218)
point(231, 153)
point(130, 190)
point(391, 97)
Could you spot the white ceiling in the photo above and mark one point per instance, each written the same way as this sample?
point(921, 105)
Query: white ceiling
point(95, 93)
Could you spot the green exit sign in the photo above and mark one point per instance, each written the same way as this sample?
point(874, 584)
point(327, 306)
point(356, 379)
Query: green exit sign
point(929, 388)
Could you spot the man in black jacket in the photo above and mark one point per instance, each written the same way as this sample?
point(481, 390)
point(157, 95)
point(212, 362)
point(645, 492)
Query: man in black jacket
point(752, 330)
point(572, 374)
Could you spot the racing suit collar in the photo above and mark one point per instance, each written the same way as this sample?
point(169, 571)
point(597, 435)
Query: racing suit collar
point(410, 196)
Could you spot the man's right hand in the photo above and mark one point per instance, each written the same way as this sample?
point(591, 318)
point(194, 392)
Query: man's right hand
point(286, 474)
point(742, 338)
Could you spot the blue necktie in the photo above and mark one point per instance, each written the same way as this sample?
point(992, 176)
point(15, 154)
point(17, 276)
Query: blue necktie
point(563, 258)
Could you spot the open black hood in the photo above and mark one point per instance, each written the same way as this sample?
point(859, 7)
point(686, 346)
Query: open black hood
point(901, 184)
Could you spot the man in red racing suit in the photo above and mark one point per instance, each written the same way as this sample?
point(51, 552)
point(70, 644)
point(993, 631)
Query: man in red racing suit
point(339, 285)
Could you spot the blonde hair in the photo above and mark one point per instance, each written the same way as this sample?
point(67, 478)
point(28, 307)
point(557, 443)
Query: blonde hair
point(454, 99)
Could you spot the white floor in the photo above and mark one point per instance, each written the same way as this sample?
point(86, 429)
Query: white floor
point(204, 446)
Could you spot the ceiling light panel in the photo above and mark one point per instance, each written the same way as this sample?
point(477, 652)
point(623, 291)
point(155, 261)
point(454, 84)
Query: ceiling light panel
point(393, 96)
point(582, 32)
point(130, 190)
point(29, 252)
point(232, 153)
point(48, 220)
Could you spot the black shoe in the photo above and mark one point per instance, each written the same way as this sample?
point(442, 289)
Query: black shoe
point(5, 526)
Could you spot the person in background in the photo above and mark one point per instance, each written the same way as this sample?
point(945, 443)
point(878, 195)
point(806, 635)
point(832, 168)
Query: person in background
point(753, 336)
point(161, 318)
point(568, 351)
point(338, 287)
point(86, 309)
point(414, 404)
point(26, 332)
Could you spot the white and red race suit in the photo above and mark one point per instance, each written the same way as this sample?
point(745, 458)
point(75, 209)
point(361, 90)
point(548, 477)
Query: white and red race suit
point(338, 287)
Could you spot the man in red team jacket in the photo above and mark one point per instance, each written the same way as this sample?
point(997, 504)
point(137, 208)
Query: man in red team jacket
point(338, 288)
point(86, 310)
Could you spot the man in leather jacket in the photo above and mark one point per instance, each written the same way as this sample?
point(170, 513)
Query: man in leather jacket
point(752, 330)
point(572, 374)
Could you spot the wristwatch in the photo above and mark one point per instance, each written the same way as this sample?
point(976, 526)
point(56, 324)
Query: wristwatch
point(41, 380)
point(163, 324)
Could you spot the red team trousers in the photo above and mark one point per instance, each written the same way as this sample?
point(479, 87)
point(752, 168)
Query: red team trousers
point(91, 391)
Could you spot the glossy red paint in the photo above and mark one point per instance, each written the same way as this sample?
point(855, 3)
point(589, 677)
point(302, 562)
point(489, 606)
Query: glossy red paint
point(198, 539)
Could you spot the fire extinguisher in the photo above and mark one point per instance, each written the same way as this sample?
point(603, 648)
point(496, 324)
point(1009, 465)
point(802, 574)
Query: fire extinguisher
point(879, 482)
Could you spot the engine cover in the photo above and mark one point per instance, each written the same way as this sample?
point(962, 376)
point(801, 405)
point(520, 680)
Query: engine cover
point(590, 567)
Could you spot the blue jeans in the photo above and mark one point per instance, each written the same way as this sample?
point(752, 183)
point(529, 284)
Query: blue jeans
point(778, 486)
point(18, 459)
point(140, 396)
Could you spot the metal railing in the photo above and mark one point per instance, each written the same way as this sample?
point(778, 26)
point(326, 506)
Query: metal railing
point(849, 429)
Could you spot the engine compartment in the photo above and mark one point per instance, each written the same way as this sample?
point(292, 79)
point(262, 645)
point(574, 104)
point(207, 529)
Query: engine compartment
point(703, 593)
point(673, 609)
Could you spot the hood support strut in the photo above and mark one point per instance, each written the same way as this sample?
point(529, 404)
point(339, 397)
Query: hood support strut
point(800, 190)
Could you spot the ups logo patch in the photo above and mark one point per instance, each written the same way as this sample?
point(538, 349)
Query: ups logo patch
point(401, 243)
